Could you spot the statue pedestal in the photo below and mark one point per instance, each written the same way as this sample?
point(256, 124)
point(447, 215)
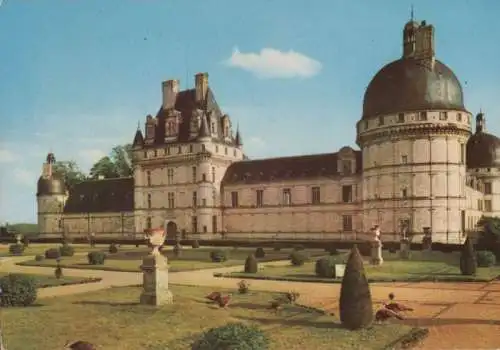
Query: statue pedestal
point(155, 281)
point(376, 258)
point(404, 249)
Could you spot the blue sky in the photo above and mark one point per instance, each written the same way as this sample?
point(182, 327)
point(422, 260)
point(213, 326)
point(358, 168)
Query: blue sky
point(76, 76)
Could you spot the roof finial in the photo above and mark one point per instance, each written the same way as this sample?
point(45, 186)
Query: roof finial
point(138, 125)
point(411, 12)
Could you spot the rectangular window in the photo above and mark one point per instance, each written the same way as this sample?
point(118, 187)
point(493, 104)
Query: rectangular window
point(422, 116)
point(203, 148)
point(216, 149)
point(346, 167)
point(462, 153)
point(171, 200)
point(401, 118)
point(214, 224)
point(194, 224)
point(195, 199)
point(149, 200)
point(213, 130)
point(204, 177)
point(190, 148)
point(459, 117)
point(148, 223)
point(443, 115)
point(234, 199)
point(225, 151)
point(315, 195)
point(487, 188)
point(194, 174)
point(404, 192)
point(287, 196)
point(404, 159)
point(204, 202)
point(380, 121)
point(347, 194)
point(480, 204)
point(259, 198)
point(167, 151)
point(213, 174)
point(487, 206)
point(148, 178)
point(347, 223)
point(170, 176)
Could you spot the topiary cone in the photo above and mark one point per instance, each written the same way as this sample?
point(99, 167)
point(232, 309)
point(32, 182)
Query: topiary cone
point(355, 304)
point(468, 261)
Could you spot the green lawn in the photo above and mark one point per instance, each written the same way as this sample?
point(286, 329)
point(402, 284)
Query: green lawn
point(435, 266)
point(112, 320)
point(130, 260)
point(40, 248)
point(44, 281)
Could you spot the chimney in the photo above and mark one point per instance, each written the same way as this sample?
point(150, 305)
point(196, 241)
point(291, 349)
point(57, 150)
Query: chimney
point(201, 85)
point(170, 89)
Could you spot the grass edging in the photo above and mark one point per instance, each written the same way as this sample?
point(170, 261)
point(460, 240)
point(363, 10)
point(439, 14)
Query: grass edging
point(410, 339)
point(243, 275)
point(70, 283)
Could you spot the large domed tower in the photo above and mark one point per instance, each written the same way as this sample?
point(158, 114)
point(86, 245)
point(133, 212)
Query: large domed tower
point(413, 134)
point(51, 196)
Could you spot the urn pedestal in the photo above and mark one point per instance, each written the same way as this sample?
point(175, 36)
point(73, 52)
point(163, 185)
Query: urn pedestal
point(404, 249)
point(376, 256)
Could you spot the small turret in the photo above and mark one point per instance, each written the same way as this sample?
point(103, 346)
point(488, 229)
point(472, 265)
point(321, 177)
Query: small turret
point(480, 123)
point(238, 140)
point(138, 138)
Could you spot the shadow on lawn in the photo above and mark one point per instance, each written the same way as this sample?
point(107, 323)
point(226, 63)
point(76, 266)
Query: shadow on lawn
point(292, 322)
point(107, 303)
point(436, 322)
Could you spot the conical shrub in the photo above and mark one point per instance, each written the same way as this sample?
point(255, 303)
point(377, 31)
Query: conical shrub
point(468, 262)
point(251, 265)
point(355, 304)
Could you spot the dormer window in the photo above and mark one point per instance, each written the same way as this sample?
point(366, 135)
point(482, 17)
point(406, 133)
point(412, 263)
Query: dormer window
point(171, 128)
point(346, 167)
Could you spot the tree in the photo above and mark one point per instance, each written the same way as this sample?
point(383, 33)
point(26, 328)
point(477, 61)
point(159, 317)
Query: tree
point(468, 261)
point(104, 167)
point(118, 164)
point(355, 304)
point(69, 172)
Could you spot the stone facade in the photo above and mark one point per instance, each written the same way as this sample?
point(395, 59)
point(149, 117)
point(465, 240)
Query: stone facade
point(415, 168)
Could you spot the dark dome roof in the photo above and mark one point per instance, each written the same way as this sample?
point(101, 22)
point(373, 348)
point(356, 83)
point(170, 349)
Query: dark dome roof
point(483, 151)
point(50, 186)
point(407, 85)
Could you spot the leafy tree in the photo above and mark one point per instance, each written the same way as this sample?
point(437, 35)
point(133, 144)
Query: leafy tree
point(69, 172)
point(104, 167)
point(355, 304)
point(489, 231)
point(118, 164)
point(468, 262)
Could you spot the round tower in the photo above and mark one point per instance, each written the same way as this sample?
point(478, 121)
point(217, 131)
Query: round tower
point(51, 197)
point(412, 135)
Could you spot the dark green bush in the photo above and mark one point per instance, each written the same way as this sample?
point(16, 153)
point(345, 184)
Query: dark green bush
point(16, 249)
point(332, 251)
point(195, 244)
point(66, 250)
point(233, 336)
point(58, 272)
point(260, 253)
point(52, 253)
point(298, 258)
point(325, 268)
point(485, 258)
point(298, 247)
point(26, 242)
point(355, 303)
point(113, 248)
point(468, 263)
point(39, 257)
point(218, 255)
point(17, 290)
point(251, 264)
point(96, 258)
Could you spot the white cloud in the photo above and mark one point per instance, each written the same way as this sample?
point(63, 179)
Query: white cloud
point(91, 155)
point(24, 177)
point(271, 63)
point(6, 156)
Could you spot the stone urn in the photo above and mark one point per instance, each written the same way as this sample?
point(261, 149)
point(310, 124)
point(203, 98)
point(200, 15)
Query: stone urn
point(19, 237)
point(156, 239)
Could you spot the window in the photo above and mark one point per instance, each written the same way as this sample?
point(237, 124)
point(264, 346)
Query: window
point(234, 153)
point(171, 200)
point(225, 151)
point(487, 205)
point(422, 116)
point(462, 153)
point(193, 175)
point(195, 199)
point(179, 150)
point(204, 177)
point(213, 174)
point(203, 148)
point(156, 153)
point(204, 202)
point(487, 188)
point(148, 223)
point(401, 118)
point(149, 200)
point(190, 148)
point(346, 167)
point(315, 195)
point(404, 159)
point(212, 128)
point(145, 154)
point(347, 193)
point(194, 224)
point(259, 200)
point(205, 229)
point(480, 204)
point(216, 149)
point(404, 192)
point(167, 151)
point(380, 121)
point(214, 197)
point(171, 128)
point(148, 178)
point(346, 223)
point(287, 196)
point(234, 199)
point(459, 117)
point(443, 115)
point(214, 224)
point(170, 176)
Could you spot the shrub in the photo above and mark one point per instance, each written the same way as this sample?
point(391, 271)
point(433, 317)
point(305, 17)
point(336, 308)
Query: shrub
point(325, 268)
point(251, 265)
point(26, 242)
point(58, 272)
point(39, 257)
point(66, 250)
point(96, 258)
point(332, 251)
point(468, 263)
point(52, 253)
point(243, 287)
point(392, 250)
point(17, 290)
point(485, 258)
point(177, 250)
point(298, 247)
point(365, 249)
point(355, 304)
point(234, 335)
point(195, 244)
point(260, 253)
point(16, 249)
point(113, 248)
point(298, 258)
point(218, 255)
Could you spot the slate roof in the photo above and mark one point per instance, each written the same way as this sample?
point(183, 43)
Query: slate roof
point(286, 168)
point(101, 196)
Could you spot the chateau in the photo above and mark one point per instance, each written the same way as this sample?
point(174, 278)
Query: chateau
point(419, 168)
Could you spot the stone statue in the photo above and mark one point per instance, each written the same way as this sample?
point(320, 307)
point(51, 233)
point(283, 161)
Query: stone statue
point(376, 258)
